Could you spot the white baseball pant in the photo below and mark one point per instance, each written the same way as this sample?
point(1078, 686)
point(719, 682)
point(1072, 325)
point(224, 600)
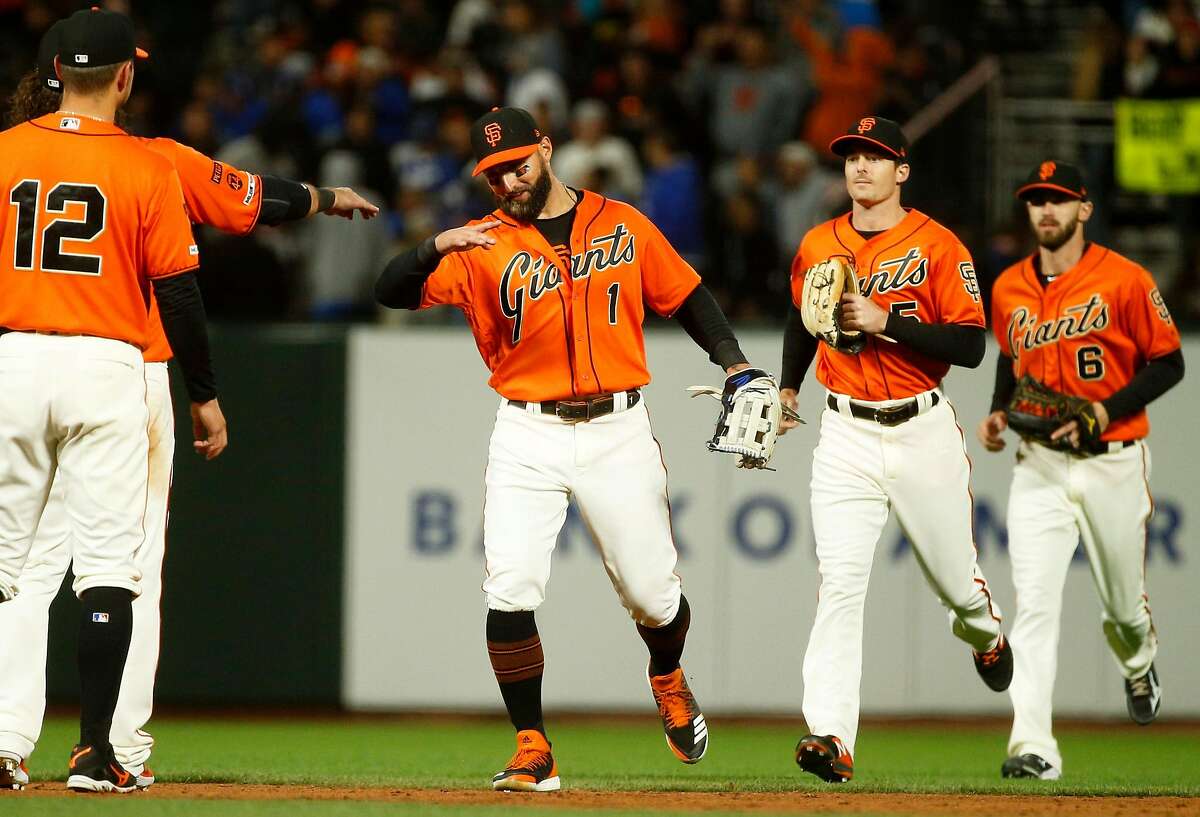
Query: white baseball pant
point(1056, 502)
point(861, 469)
point(23, 662)
point(613, 467)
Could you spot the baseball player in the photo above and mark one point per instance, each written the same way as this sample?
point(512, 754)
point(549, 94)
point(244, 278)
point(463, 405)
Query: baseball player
point(889, 438)
point(230, 200)
point(95, 220)
point(1086, 322)
point(554, 284)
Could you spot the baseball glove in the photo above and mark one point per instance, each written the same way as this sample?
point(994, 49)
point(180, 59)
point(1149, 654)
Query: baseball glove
point(820, 303)
point(1036, 411)
point(750, 416)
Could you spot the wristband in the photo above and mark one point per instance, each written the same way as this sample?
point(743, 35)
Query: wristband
point(325, 199)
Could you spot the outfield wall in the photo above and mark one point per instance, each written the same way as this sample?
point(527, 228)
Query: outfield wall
point(419, 415)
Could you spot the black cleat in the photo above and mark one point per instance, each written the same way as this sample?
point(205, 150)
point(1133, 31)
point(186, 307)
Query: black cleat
point(995, 666)
point(1029, 766)
point(1143, 696)
point(826, 757)
point(92, 770)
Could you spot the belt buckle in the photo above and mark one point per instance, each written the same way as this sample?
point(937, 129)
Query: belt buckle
point(565, 410)
point(893, 416)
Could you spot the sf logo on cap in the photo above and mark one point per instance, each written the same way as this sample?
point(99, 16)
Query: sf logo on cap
point(492, 133)
point(865, 124)
point(1046, 170)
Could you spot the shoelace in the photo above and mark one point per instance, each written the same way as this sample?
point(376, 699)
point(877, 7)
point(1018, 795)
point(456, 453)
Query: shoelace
point(528, 757)
point(674, 705)
point(1141, 687)
point(990, 657)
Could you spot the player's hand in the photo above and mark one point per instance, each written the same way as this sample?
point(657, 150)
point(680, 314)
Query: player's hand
point(862, 314)
point(208, 429)
point(346, 203)
point(789, 398)
point(466, 238)
point(990, 429)
point(1071, 430)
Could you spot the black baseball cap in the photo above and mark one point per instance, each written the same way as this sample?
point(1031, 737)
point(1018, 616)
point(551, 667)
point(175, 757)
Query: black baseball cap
point(1052, 175)
point(873, 132)
point(47, 51)
point(91, 38)
point(503, 135)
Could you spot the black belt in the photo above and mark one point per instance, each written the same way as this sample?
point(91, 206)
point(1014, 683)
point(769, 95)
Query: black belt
point(890, 416)
point(1110, 447)
point(576, 410)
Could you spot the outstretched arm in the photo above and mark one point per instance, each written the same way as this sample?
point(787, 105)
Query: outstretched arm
point(701, 317)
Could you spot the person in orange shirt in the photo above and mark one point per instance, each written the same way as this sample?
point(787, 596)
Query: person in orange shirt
point(554, 285)
point(1084, 321)
point(95, 222)
point(217, 195)
point(889, 437)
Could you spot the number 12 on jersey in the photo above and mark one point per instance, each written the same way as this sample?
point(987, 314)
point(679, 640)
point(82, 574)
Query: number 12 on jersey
point(53, 258)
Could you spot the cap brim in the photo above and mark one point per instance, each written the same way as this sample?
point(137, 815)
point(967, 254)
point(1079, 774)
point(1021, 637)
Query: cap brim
point(141, 53)
point(840, 146)
point(510, 155)
point(1075, 194)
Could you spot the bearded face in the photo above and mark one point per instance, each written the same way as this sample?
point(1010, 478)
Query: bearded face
point(521, 189)
point(1054, 218)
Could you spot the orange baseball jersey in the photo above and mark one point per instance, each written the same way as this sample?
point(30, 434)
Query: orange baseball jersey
point(1088, 331)
point(917, 269)
point(548, 335)
point(215, 194)
point(91, 216)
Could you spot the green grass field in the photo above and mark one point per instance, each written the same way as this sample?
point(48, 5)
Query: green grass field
point(627, 755)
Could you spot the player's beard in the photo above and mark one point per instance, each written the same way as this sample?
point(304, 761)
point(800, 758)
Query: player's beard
point(1056, 239)
point(528, 210)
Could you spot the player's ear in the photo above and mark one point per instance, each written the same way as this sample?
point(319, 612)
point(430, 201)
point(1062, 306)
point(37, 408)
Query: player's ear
point(902, 173)
point(125, 76)
point(57, 67)
point(546, 148)
point(1086, 208)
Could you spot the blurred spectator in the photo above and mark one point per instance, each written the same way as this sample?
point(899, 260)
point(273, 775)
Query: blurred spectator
point(543, 93)
point(674, 194)
point(643, 99)
point(593, 147)
point(751, 278)
point(752, 103)
point(849, 79)
point(1163, 54)
point(805, 194)
point(344, 256)
point(1098, 66)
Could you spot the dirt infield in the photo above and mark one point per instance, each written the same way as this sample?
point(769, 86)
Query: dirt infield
point(799, 802)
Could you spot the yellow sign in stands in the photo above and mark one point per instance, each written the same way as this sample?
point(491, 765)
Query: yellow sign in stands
point(1158, 145)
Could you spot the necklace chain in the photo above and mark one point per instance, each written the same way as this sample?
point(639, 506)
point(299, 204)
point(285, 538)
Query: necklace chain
point(85, 115)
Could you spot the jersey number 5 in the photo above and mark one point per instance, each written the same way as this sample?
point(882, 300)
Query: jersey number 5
point(25, 197)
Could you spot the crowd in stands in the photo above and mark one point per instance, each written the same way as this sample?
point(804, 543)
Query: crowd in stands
point(712, 116)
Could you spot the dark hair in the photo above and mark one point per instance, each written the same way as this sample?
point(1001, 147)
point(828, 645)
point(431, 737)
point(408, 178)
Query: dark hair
point(89, 81)
point(31, 99)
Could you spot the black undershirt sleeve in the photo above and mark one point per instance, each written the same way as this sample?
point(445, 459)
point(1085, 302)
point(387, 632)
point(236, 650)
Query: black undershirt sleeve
point(1151, 382)
point(701, 317)
point(1006, 382)
point(283, 200)
point(953, 343)
point(182, 310)
point(799, 349)
point(403, 279)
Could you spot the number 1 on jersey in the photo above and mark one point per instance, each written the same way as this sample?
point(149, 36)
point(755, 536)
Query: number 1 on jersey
point(25, 197)
point(613, 292)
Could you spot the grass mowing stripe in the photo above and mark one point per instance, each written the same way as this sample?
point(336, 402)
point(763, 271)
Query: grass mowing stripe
point(1124, 760)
